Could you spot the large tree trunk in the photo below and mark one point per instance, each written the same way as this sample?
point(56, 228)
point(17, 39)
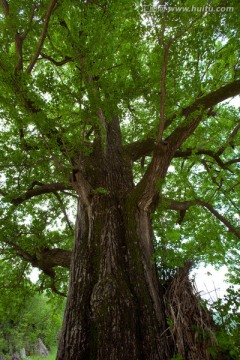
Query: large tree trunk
point(115, 306)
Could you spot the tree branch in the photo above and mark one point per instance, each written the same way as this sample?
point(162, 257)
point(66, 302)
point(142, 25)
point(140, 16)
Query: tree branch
point(18, 45)
point(55, 257)
point(66, 60)
point(63, 210)
point(233, 161)
point(184, 205)
point(208, 101)
point(189, 152)
point(230, 140)
point(45, 260)
point(146, 191)
point(95, 98)
point(43, 35)
point(140, 148)
point(221, 218)
point(40, 190)
point(18, 39)
point(53, 286)
point(146, 146)
point(182, 132)
point(166, 48)
point(5, 6)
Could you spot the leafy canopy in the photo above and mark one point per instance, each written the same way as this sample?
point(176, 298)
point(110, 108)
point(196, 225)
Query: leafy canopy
point(62, 61)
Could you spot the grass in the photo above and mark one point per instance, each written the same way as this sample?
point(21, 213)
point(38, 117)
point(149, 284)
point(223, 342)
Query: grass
point(51, 356)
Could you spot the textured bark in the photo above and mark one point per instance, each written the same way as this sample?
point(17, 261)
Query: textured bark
point(115, 308)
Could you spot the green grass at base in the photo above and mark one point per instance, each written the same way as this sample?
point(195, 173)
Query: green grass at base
point(51, 356)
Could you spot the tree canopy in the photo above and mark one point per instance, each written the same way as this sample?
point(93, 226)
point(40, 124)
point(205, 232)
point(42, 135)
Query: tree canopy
point(67, 69)
point(51, 56)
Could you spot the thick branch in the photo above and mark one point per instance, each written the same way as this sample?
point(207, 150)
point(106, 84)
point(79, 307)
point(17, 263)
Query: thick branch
point(213, 155)
point(162, 155)
point(140, 148)
point(184, 205)
point(43, 35)
point(45, 259)
point(146, 190)
point(49, 258)
point(182, 132)
point(40, 190)
point(208, 101)
point(145, 147)
point(189, 152)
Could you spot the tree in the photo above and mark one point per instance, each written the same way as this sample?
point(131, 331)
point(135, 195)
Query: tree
point(124, 111)
point(25, 321)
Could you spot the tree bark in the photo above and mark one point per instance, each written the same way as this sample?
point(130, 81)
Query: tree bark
point(115, 308)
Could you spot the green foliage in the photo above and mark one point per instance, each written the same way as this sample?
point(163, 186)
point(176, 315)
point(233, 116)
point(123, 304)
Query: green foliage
point(227, 319)
point(24, 321)
point(109, 55)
